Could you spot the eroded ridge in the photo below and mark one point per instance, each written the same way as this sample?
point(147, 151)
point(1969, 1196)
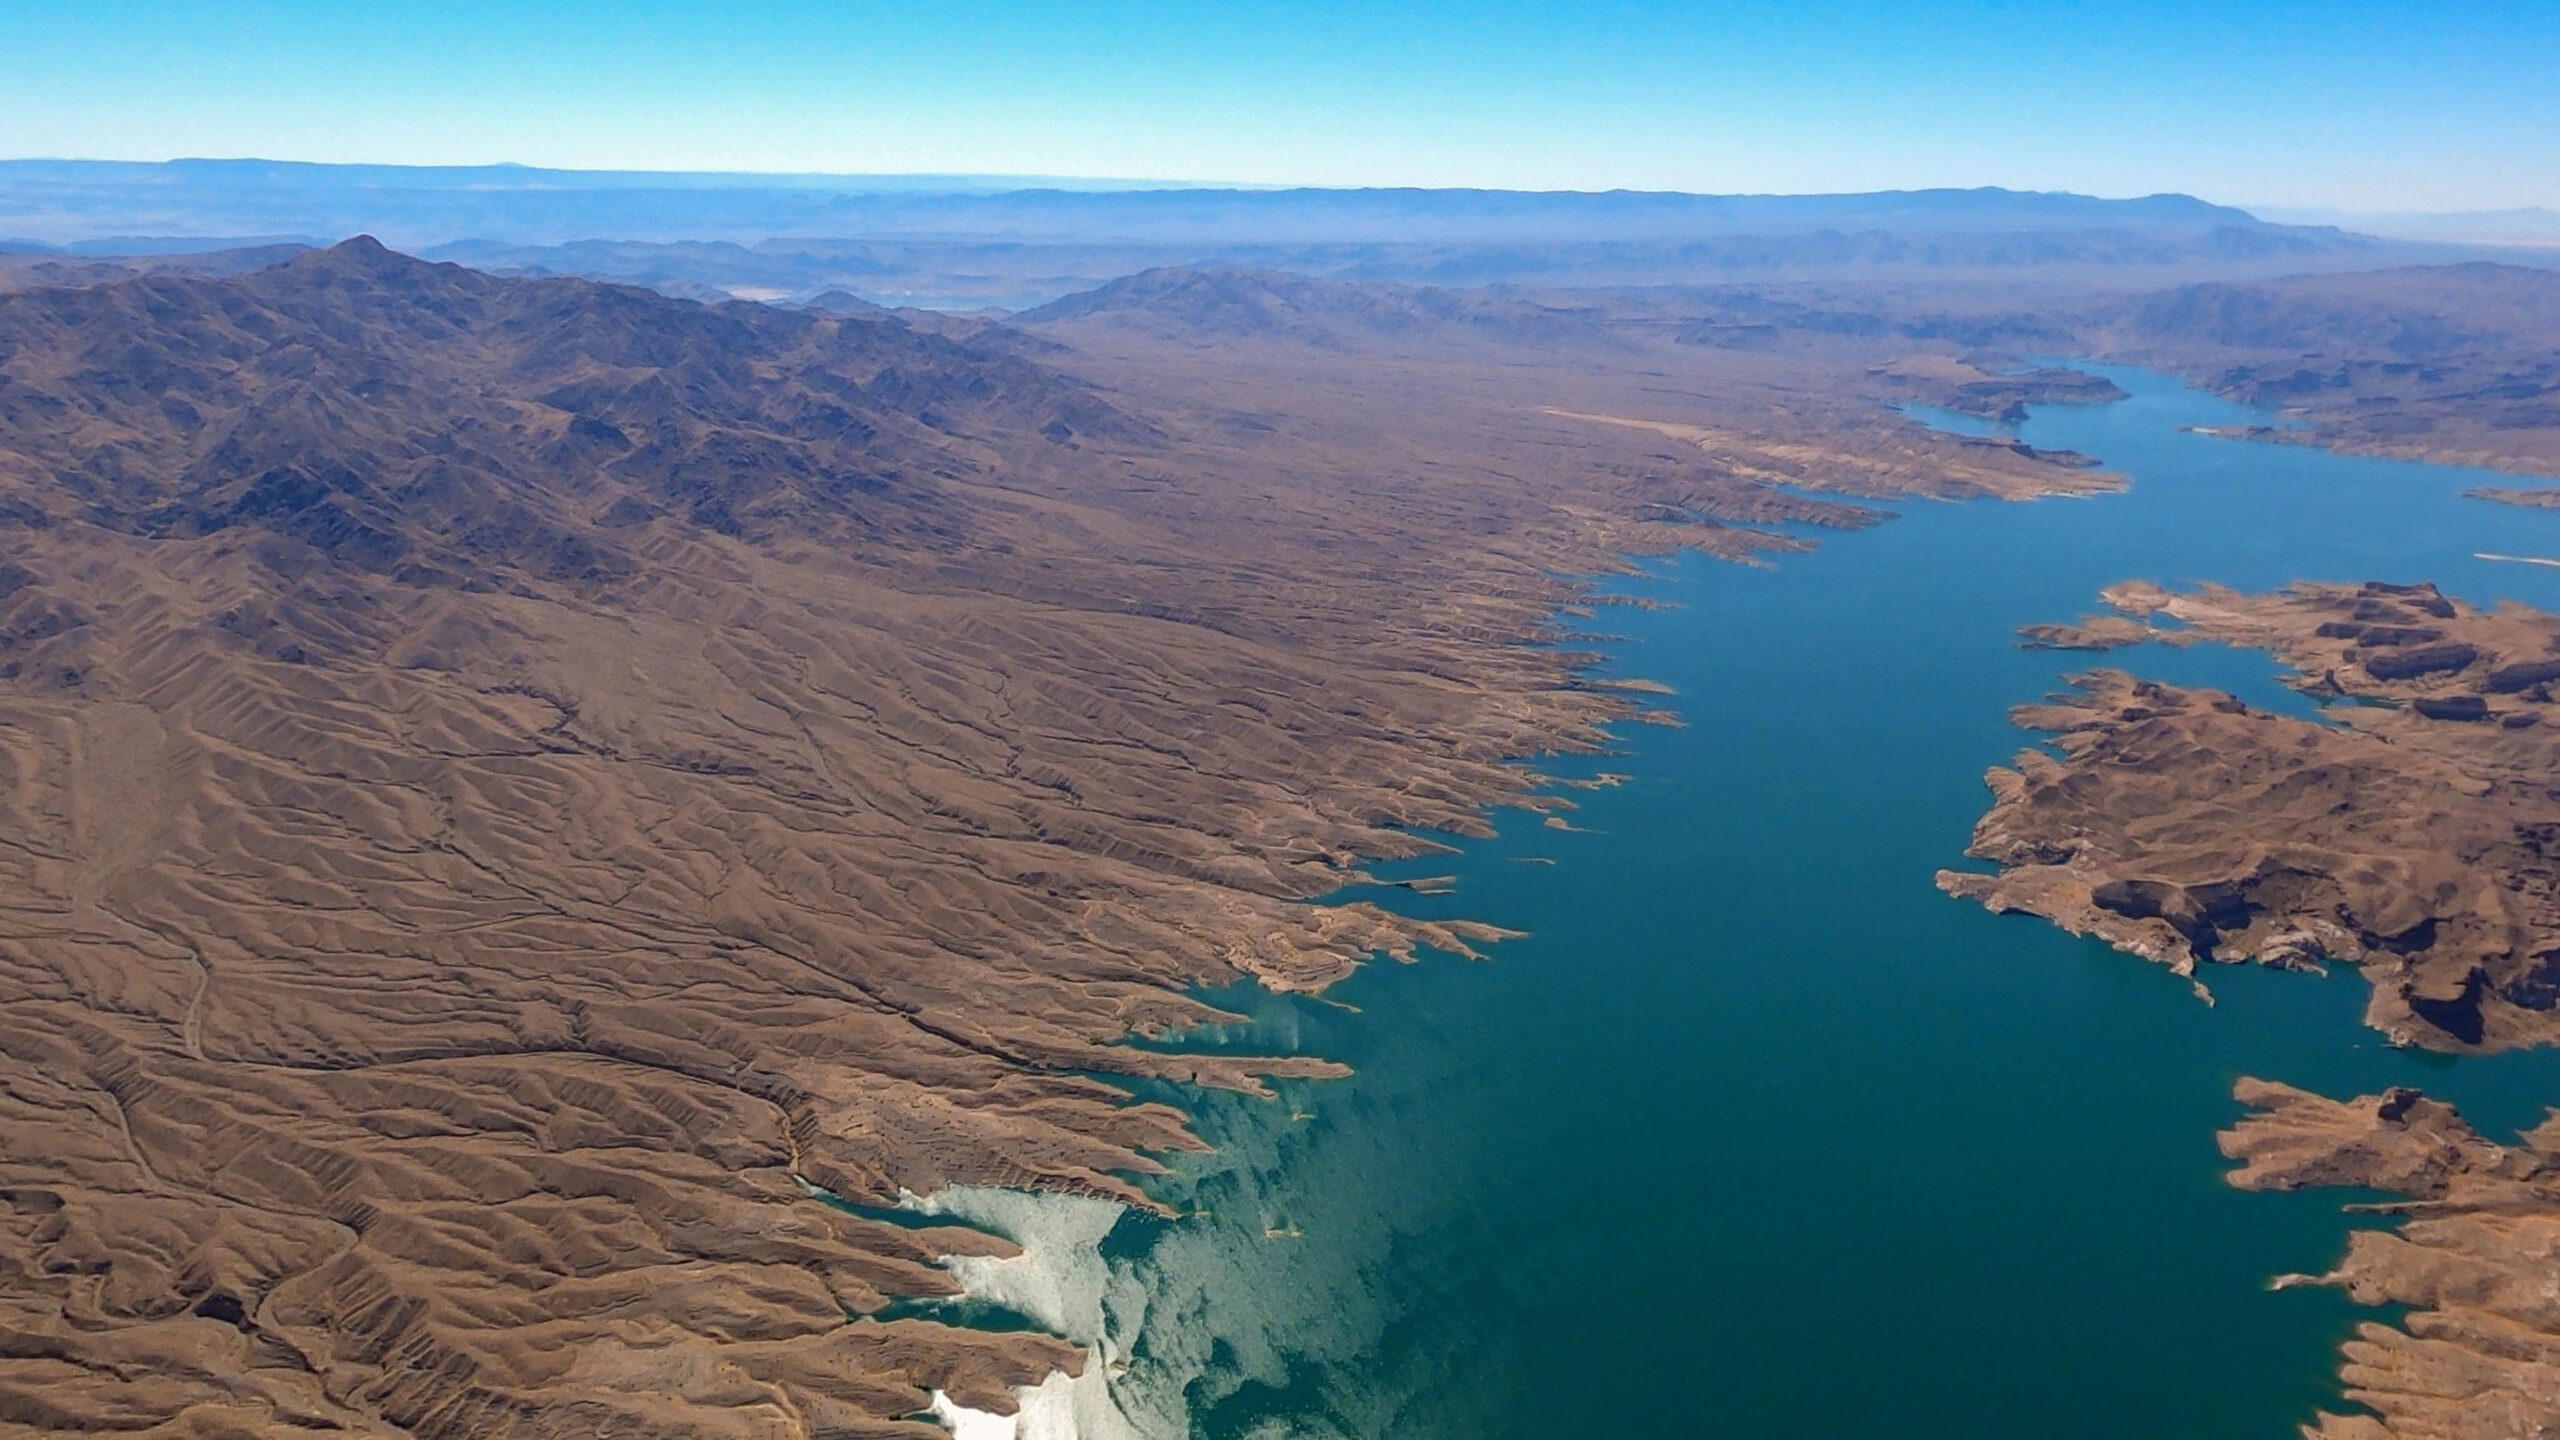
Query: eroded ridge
point(2473, 1258)
point(503, 786)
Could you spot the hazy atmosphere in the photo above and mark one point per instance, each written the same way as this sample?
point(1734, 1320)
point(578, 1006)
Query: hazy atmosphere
point(2357, 105)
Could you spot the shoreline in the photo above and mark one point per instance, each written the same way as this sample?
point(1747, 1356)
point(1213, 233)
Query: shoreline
point(2188, 829)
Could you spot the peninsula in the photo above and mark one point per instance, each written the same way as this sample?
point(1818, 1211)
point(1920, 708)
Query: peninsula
point(2411, 833)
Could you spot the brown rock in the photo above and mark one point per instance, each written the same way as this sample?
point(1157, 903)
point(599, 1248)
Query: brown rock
point(2478, 1357)
point(2187, 828)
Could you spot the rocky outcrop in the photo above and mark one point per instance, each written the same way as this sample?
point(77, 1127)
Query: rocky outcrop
point(2418, 838)
point(2472, 1258)
point(2094, 632)
point(2534, 499)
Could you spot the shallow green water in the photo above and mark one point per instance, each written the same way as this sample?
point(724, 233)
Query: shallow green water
point(1757, 1134)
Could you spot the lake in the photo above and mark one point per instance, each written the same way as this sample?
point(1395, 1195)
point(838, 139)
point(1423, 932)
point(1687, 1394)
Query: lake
point(1756, 1134)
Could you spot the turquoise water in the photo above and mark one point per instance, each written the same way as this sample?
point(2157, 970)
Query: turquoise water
point(1757, 1134)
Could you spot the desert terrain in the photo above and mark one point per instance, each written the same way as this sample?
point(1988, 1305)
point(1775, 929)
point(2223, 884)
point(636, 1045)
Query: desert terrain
point(533, 805)
point(517, 790)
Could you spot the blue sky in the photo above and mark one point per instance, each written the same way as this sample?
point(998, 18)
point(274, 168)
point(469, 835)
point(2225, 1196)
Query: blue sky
point(2349, 104)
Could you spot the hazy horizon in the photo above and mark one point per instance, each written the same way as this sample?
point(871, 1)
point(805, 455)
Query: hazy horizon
point(2379, 108)
point(2519, 228)
point(994, 182)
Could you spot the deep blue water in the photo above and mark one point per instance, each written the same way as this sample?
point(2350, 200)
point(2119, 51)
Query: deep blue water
point(1759, 1135)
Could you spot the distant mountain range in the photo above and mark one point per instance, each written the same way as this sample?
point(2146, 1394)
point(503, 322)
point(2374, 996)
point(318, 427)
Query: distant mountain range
point(957, 242)
point(974, 241)
point(68, 202)
point(2529, 226)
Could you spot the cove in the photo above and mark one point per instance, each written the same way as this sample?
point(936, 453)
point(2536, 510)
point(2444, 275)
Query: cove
point(1756, 1134)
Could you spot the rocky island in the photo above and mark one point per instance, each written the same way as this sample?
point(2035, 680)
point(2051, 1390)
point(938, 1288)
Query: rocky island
point(2536, 498)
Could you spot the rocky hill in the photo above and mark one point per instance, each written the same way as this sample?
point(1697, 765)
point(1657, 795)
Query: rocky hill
point(1225, 303)
point(2450, 363)
point(431, 423)
point(503, 784)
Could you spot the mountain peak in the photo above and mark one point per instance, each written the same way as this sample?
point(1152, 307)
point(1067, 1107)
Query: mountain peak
point(363, 255)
